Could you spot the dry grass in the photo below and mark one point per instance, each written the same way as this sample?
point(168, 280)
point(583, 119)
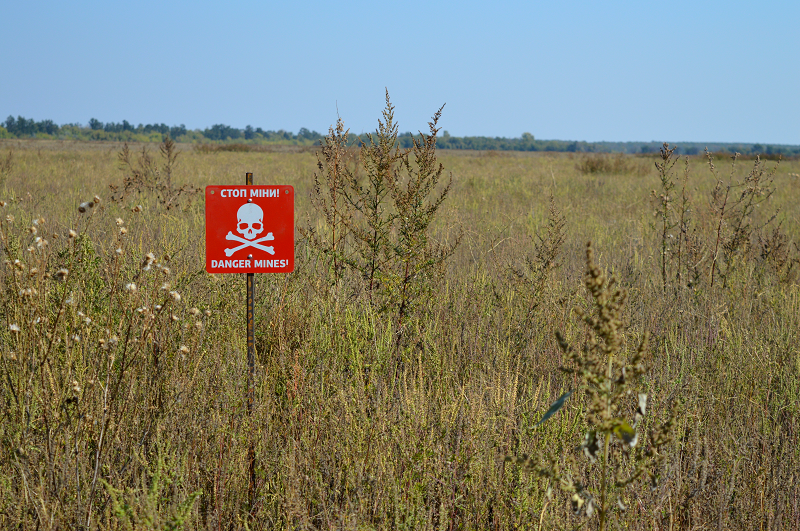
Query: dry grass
point(124, 409)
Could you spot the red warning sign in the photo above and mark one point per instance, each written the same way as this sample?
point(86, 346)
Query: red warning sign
point(249, 229)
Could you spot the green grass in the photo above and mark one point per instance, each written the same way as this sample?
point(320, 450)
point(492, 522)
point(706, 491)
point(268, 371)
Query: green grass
point(135, 433)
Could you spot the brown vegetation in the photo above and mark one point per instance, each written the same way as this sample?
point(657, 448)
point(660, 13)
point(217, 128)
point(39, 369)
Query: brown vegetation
point(123, 367)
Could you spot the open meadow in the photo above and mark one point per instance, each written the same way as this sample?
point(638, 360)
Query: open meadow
point(403, 368)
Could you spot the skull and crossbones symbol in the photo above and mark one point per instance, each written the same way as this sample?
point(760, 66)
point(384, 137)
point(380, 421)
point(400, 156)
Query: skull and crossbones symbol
point(250, 223)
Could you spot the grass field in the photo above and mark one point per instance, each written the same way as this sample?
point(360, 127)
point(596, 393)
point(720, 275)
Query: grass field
point(123, 373)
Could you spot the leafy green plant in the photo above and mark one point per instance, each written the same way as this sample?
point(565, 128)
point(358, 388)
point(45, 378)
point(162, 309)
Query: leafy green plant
point(536, 268)
point(370, 219)
point(416, 258)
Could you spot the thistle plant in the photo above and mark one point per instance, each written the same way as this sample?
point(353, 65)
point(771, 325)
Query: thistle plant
point(608, 376)
point(90, 342)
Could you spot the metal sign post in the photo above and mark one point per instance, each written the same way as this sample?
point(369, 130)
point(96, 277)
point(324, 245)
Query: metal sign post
point(250, 229)
point(251, 364)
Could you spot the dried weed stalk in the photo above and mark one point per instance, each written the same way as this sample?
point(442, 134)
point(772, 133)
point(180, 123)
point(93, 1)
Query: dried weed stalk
point(530, 278)
point(334, 161)
point(684, 241)
point(664, 208)
point(608, 377)
point(142, 174)
point(734, 215)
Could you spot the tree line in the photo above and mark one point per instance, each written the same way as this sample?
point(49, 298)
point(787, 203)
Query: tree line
point(124, 131)
point(21, 127)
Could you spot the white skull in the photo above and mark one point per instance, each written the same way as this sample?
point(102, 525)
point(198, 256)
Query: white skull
point(250, 219)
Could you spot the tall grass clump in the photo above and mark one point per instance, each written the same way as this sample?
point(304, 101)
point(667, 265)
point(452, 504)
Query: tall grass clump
point(6, 166)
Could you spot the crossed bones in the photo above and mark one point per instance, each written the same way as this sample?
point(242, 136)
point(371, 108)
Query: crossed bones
point(248, 243)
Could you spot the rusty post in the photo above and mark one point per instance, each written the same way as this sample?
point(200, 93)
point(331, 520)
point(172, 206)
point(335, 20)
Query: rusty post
point(251, 361)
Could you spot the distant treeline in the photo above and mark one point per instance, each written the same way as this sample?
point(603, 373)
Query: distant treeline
point(126, 132)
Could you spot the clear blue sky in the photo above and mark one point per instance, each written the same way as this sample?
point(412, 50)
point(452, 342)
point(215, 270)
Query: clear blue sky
point(724, 71)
